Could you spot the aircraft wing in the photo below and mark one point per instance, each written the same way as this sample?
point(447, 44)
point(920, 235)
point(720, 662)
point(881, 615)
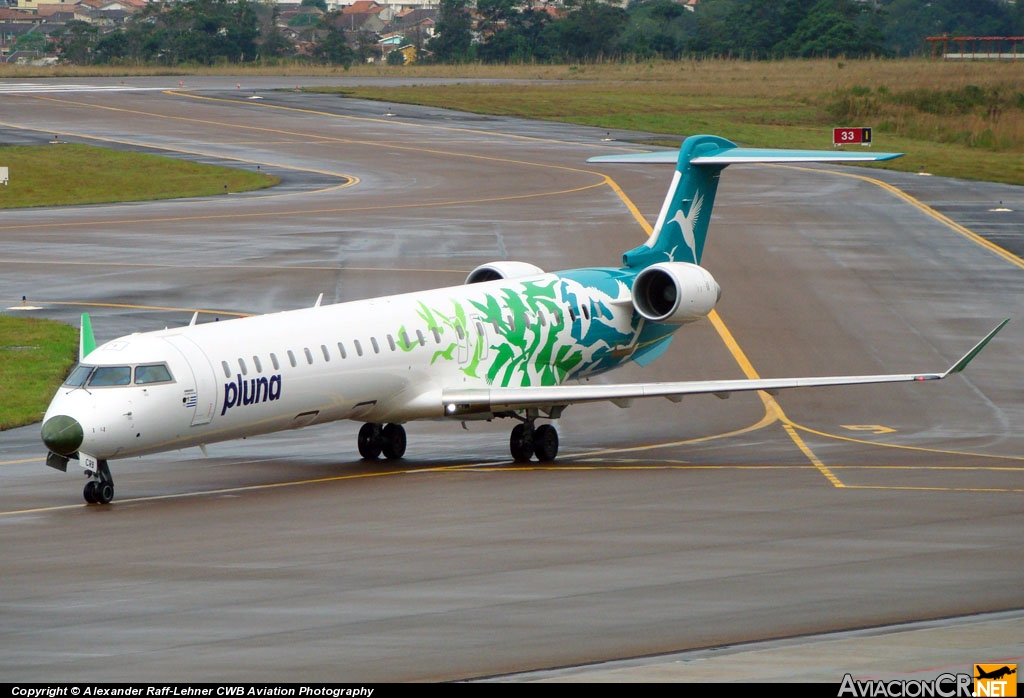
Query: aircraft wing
point(470, 400)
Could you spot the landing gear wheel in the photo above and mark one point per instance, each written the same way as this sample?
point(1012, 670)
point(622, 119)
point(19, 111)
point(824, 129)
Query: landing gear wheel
point(370, 442)
point(100, 488)
point(521, 442)
point(393, 441)
point(104, 492)
point(545, 443)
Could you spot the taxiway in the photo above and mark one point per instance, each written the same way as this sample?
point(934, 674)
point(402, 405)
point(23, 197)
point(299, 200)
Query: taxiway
point(663, 528)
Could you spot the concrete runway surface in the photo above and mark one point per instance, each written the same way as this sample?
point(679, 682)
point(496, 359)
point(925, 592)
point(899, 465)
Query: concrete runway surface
point(662, 529)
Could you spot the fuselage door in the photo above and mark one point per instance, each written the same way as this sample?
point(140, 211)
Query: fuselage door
point(203, 399)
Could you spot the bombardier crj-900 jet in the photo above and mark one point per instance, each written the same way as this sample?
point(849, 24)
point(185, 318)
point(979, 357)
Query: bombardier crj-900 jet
point(513, 342)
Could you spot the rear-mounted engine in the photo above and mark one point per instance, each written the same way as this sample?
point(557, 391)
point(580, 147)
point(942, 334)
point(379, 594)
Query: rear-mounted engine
point(675, 292)
point(493, 271)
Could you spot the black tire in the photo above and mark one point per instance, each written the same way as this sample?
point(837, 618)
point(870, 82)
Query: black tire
point(521, 443)
point(89, 492)
point(104, 492)
point(545, 443)
point(370, 441)
point(393, 441)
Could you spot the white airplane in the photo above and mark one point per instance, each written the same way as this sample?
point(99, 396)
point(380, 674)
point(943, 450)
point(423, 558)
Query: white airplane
point(513, 341)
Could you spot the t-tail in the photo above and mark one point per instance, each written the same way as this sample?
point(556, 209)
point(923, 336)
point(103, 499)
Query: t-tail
point(682, 225)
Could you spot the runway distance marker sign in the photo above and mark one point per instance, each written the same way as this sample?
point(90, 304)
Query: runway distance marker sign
point(851, 136)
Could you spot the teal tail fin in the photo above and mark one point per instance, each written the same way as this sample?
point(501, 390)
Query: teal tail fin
point(682, 224)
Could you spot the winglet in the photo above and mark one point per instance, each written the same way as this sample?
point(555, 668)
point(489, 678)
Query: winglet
point(86, 340)
point(969, 356)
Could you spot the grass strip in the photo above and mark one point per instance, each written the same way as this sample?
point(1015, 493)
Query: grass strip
point(955, 120)
point(71, 174)
point(35, 356)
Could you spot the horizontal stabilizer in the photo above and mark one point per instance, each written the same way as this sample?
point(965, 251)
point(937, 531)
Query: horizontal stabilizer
point(736, 156)
point(461, 401)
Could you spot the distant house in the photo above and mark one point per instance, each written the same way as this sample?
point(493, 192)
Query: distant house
point(64, 12)
point(419, 20)
point(8, 15)
point(10, 32)
point(14, 24)
point(31, 5)
point(369, 7)
point(130, 6)
point(403, 5)
point(287, 12)
point(389, 42)
point(550, 10)
point(365, 15)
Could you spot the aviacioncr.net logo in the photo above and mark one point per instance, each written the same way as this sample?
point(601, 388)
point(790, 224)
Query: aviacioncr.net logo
point(942, 686)
point(995, 680)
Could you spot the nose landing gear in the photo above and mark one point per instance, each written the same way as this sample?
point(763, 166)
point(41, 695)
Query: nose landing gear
point(100, 488)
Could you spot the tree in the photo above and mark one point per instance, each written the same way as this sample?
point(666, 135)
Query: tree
point(589, 33)
point(656, 28)
point(76, 40)
point(417, 37)
point(273, 42)
point(746, 28)
point(32, 40)
point(832, 28)
point(333, 48)
point(367, 45)
point(518, 37)
point(111, 48)
point(197, 31)
point(907, 22)
point(495, 15)
point(453, 42)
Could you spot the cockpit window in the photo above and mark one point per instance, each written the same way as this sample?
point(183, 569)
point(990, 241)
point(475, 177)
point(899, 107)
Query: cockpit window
point(152, 373)
point(78, 376)
point(111, 375)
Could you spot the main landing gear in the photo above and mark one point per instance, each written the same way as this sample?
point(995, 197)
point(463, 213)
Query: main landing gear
point(527, 441)
point(100, 488)
point(375, 439)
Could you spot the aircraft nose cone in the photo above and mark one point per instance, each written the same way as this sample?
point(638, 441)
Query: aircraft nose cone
point(62, 434)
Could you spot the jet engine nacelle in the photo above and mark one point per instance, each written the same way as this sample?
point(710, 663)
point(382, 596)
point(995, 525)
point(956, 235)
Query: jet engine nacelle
point(493, 271)
point(675, 292)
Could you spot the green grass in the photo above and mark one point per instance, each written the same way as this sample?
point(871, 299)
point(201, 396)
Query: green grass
point(35, 356)
point(953, 120)
point(68, 173)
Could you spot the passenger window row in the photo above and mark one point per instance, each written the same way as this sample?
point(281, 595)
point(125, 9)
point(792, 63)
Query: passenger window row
point(407, 342)
point(540, 318)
